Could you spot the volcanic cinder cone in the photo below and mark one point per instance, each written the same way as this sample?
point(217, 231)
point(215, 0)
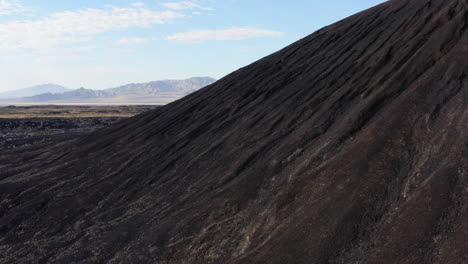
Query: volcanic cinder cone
point(349, 146)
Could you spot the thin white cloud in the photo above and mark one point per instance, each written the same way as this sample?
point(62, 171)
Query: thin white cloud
point(8, 7)
point(134, 40)
point(138, 4)
point(184, 5)
point(77, 26)
point(235, 33)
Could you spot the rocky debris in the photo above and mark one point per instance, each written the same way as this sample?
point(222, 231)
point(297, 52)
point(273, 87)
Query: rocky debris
point(21, 132)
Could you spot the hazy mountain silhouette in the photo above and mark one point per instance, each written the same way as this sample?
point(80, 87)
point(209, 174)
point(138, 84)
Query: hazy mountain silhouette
point(152, 92)
point(348, 146)
point(34, 90)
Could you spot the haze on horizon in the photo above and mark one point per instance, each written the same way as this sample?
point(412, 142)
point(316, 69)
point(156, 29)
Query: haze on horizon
point(103, 44)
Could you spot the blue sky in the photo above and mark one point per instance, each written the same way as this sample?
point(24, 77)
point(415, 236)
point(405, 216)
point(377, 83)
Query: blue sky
point(100, 44)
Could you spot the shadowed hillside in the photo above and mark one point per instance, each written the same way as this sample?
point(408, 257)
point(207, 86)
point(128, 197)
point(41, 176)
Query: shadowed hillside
point(348, 146)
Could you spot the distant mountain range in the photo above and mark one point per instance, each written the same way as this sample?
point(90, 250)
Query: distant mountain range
point(34, 90)
point(157, 92)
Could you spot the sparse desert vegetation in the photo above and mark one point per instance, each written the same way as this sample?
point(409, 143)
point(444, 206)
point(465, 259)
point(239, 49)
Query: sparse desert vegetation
point(27, 125)
point(72, 111)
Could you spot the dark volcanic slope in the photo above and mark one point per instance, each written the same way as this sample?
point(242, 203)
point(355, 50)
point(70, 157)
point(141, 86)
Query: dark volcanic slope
point(349, 146)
